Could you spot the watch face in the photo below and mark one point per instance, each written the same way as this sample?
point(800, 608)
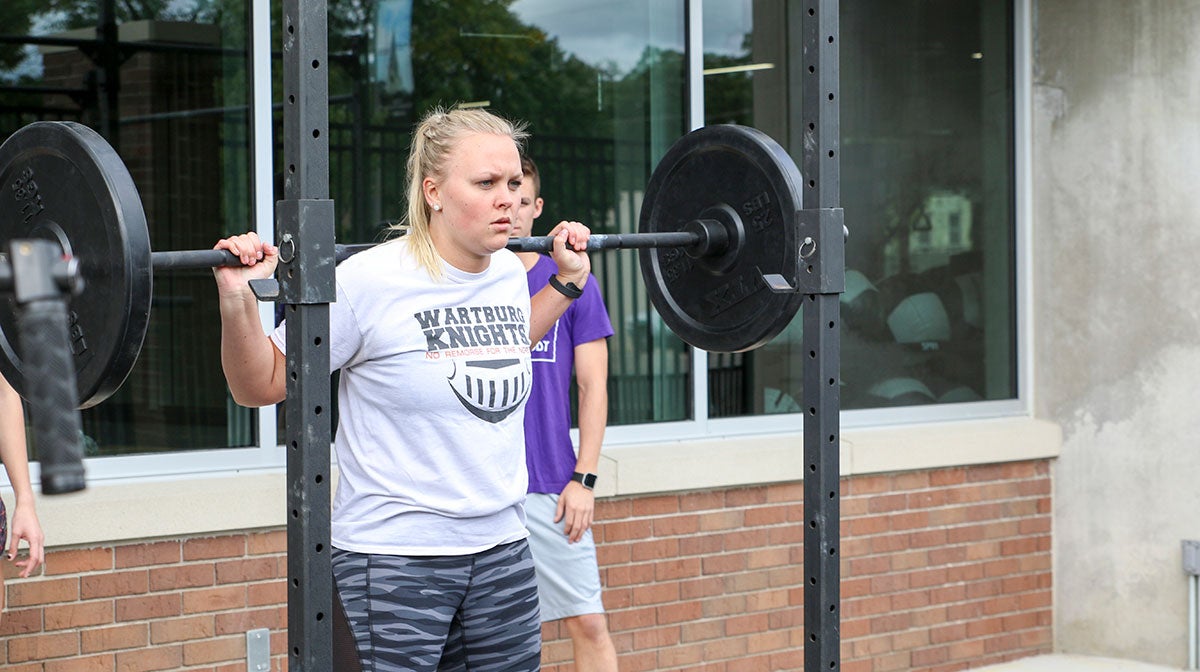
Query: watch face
point(589, 480)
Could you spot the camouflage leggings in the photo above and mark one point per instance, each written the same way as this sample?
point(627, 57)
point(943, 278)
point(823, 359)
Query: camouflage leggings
point(405, 611)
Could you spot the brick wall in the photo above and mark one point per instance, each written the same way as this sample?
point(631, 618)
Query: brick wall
point(165, 605)
point(941, 570)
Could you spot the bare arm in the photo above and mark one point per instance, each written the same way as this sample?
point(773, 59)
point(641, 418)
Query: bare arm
point(573, 266)
point(254, 367)
point(13, 452)
point(577, 504)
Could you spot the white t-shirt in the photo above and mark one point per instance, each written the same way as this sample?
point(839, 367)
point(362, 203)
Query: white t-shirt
point(431, 402)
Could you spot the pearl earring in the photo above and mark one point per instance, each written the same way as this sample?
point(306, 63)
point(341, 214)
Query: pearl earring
point(437, 206)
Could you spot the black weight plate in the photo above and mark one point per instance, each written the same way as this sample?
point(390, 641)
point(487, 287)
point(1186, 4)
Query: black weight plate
point(743, 179)
point(62, 181)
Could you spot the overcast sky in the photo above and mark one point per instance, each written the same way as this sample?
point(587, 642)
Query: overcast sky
point(617, 31)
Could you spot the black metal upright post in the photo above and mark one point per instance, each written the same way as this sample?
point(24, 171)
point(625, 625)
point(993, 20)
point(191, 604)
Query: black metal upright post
point(822, 277)
point(108, 58)
point(305, 235)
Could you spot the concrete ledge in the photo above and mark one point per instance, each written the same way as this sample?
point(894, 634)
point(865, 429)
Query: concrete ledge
point(147, 510)
point(750, 460)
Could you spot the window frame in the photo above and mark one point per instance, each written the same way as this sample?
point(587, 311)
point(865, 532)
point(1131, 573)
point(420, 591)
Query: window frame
point(268, 455)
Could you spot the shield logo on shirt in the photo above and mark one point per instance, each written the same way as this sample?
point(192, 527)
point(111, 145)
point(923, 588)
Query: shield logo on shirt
point(491, 389)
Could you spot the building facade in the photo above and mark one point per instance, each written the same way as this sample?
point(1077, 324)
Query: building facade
point(1015, 179)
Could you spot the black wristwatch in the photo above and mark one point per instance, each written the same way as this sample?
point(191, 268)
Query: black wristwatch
point(587, 480)
point(569, 290)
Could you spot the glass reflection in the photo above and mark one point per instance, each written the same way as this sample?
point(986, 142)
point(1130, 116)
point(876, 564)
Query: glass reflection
point(166, 84)
point(926, 184)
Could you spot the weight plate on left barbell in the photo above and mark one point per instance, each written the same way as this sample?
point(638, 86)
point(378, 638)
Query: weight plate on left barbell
point(62, 181)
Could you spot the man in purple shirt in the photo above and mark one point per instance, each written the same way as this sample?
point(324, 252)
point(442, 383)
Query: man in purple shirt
point(560, 504)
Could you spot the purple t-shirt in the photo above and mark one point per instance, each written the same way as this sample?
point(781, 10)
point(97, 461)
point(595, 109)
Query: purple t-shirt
point(549, 454)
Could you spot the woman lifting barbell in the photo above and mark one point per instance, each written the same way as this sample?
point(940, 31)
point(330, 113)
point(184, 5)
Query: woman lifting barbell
point(431, 331)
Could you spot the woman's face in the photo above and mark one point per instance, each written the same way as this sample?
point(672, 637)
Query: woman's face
point(476, 195)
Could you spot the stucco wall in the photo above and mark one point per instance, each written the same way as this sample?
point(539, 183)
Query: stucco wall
point(1116, 238)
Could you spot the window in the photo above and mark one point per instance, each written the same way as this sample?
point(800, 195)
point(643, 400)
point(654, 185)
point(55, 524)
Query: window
point(927, 172)
point(169, 89)
point(927, 185)
point(602, 87)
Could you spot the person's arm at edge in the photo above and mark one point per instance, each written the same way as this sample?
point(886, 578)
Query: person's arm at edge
point(577, 504)
point(14, 453)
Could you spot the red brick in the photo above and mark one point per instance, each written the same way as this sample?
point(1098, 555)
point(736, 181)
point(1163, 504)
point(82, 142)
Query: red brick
point(766, 600)
point(657, 593)
point(745, 497)
point(747, 582)
point(242, 621)
point(625, 575)
point(678, 656)
point(677, 613)
point(769, 515)
point(702, 545)
point(214, 599)
point(722, 649)
point(100, 663)
point(703, 587)
point(675, 569)
point(77, 615)
point(717, 607)
point(149, 607)
point(114, 638)
point(613, 554)
point(746, 624)
point(643, 507)
point(655, 549)
point(722, 520)
point(214, 650)
point(178, 577)
point(172, 630)
point(702, 501)
point(113, 584)
point(628, 530)
point(675, 525)
point(213, 548)
point(886, 503)
point(613, 509)
point(43, 591)
point(143, 555)
point(631, 619)
point(264, 543)
point(786, 492)
point(244, 571)
point(271, 592)
point(154, 658)
point(864, 526)
point(43, 646)
point(762, 558)
point(77, 561)
point(701, 630)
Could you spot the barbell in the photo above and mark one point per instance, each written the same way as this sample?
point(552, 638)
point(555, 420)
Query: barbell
point(719, 243)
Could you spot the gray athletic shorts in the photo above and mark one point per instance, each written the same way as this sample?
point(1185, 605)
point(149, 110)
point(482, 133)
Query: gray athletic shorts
point(480, 609)
point(567, 574)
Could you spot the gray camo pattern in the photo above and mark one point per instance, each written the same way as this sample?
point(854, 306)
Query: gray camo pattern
point(480, 611)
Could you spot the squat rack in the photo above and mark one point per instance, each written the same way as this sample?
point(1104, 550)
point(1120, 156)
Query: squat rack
point(305, 218)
